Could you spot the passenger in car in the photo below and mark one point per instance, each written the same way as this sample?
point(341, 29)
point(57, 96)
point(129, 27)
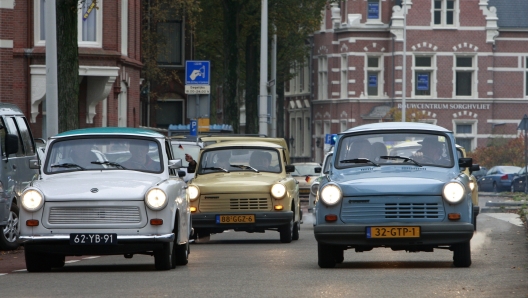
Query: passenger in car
point(360, 149)
point(431, 152)
point(139, 159)
point(260, 160)
point(378, 149)
point(81, 154)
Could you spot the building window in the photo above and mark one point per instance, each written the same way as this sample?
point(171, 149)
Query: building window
point(301, 79)
point(444, 12)
point(169, 111)
point(373, 76)
point(526, 76)
point(170, 46)
point(323, 77)
point(465, 134)
point(373, 10)
point(423, 75)
point(344, 76)
point(464, 72)
point(343, 125)
point(89, 23)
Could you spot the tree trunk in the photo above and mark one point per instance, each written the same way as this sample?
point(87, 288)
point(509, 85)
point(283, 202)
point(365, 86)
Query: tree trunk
point(67, 65)
point(231, 110)
point(252, 83)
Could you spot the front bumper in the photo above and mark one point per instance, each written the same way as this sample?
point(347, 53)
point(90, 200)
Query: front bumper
point(433, 234)
point(126, 244)
point(263, 221)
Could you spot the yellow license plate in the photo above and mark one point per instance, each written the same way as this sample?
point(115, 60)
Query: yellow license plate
point(393, 232)
point(235, 219)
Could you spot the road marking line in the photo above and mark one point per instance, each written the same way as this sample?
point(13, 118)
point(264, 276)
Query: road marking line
point(71, 261)
point(88, 258)
point(3, 274)
point(20, 270)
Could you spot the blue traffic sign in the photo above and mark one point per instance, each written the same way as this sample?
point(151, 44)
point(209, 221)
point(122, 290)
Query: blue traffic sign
point(193, 127)
point(197, 72)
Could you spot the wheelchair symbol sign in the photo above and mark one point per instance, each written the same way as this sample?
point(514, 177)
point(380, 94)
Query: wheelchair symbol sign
point(197, 72)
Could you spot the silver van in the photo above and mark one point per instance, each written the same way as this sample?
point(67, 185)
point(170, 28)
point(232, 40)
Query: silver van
point(17, 149)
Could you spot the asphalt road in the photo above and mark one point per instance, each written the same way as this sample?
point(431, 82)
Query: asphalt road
point(236, 264)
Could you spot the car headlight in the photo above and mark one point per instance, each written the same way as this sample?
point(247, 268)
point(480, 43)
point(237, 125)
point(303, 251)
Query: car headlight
point(472, 185)
point(331, 194)
point(278, 191)
point(194, 192)
point(156, 199)
point(314, 188)
point(453, 192)
point(32, 200)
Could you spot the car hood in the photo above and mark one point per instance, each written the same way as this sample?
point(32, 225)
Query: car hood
point(96, 185)
point(421, 182)
point(236, 182)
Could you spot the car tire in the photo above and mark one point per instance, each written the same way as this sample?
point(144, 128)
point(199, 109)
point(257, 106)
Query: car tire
point(180, 255)
point(325, 256)
point(462, 254)
point(286, 232)
point(339, 255)
point(37, 262)
point(296, 229)
point(9, 232)
point(57, 261)
point(163, 257)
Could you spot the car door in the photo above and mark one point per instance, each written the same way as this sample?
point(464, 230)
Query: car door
point(487, 181)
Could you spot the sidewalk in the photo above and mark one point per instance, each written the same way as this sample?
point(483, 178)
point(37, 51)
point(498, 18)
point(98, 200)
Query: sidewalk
point(503, 202)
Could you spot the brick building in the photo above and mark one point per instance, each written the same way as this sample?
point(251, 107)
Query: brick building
point(466, 68)
point(109, 61)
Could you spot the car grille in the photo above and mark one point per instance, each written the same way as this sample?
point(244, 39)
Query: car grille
point(211, 204)
point(304, 191)
point(369, 209)
point(94, 215)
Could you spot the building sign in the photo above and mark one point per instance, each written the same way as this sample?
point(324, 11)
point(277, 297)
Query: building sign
point(373, 11)
point(422, 81)
point(373, 81)
point(197, 89)
point(197, 72)
point(447, 106)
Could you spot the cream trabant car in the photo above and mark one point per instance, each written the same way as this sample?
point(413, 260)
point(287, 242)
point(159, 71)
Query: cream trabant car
point(245, 186)
point(106, 191)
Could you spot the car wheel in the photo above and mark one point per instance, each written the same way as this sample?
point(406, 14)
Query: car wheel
point(462, 254)
point(37, 262)
point(325, 256)
point(9, 235)
point(180, 255)
point(163, 257)
point(57, 261)
point(339, 255)
point(286, 232)
point(296, 229)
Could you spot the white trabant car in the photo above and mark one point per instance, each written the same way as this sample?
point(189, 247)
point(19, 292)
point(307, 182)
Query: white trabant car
point(106, 191)
point(414, 201)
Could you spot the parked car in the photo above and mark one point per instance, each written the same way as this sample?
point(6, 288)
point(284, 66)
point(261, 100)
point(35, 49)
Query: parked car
point(100, 202)
point(519, 181)
point(498, 178)
point(182, 145)
point(305, 173)
point(17, 152)
point(414, 203)
point(234, 189)
point(314, 188)
point(480, 173)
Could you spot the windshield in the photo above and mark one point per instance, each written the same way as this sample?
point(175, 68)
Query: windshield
point(179, 150)
point(115, 153)
point(235, 160)
point(305, 170)
point(418, 149)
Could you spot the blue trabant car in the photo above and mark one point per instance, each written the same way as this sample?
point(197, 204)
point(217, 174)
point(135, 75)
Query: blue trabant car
point(376, 195)
point(106, 191)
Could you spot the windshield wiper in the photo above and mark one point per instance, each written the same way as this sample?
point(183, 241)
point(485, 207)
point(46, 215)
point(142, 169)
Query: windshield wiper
point(110, 163)
point(243, 167)
point(359, 160)
point(68, 165)
point(405, 159)
point(216, 168)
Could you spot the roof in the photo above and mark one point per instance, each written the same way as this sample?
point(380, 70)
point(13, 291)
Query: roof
point(397, 126)
point(244, 144)
point(111, 131)
point(9, 109)
point(511, 13)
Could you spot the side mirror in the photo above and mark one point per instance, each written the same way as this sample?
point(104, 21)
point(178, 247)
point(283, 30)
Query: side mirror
point(474, 168)
point(11, 145)
point(290, 168)
point(34, 164)
point(182, 174)
point(465, 162)
point(318, 170)
point(175, 163)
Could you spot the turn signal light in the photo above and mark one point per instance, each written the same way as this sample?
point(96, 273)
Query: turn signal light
point(277, 207)
point(32, 222)
point(331, 217)
point(156, 221)
point(193, 209)
point(453, 216)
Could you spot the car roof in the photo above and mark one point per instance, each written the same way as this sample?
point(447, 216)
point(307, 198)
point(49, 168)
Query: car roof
point(129, 131)
point(243, 144)
point(9, 109)
point(397, 126)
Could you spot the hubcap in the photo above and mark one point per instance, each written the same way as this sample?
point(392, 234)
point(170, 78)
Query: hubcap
point(11, 229)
